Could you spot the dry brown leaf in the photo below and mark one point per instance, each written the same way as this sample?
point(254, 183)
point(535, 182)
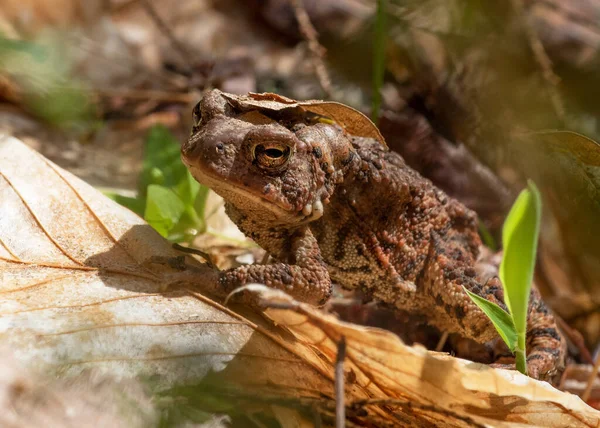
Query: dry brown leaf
point(78, 292)
point(352, 120)
point(32, 16)
point(419, 386)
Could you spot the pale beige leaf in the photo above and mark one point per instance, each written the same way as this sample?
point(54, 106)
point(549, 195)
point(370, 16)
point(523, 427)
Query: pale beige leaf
point(89, 401)
point(77, 290)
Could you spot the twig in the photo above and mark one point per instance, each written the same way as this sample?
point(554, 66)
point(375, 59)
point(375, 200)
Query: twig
point(588, 389)
point(378, 58)
point(116, 8)
point(400, 14)
point(265, 259)
point(147, 94)
point(196, 252)
point(575, 339)
point(542, 59)
point(340, 407)
point(137, 94)
point(162, 26)
point(441, 342)
point(316, 49)
point(412, 406)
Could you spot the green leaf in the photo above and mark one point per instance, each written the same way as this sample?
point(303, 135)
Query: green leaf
point(178, 213)
point(520, 237)
point(200, 202)
point(500, 318)
point(188, 226)
point(137, 205)
point(43, 72)
point(162, 163)
point(193, 195)
point(487, 237)
point(379, 57)
point(188, 189)
point(163, 209)
point(9, 46)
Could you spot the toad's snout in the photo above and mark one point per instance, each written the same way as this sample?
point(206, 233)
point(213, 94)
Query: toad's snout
point(196, 148)
point(218, 142)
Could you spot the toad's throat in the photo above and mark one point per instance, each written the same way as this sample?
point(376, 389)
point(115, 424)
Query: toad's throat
point(233, 191)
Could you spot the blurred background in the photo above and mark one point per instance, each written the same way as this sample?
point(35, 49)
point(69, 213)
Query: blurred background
point(470, 92)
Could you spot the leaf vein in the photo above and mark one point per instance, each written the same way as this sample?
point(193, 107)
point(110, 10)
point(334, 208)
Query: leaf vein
point(39, 223)
point(97, 219)
point(141, 324)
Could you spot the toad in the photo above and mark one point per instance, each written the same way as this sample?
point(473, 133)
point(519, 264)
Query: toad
point(328, 205)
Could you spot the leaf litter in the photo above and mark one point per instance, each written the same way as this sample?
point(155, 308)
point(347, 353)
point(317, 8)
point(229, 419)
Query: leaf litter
point(117, 86)
point(78, 292)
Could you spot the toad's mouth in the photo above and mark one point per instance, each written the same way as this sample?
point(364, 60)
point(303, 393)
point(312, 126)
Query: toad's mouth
point(242, 196)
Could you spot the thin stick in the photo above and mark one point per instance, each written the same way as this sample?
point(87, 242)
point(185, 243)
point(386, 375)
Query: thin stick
point(147, 94)
point(379, 58)
point(340, 407)
point(162, 26)
point(441, 342)
point(265, 259)
point(316, 49)
point(588, 389)
point(195, 251)
point(575, 339)
point(543, 61)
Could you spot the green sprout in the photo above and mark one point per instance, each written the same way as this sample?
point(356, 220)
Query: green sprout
point(519, 236)
point(42, 70)
point(378, 58)
point(169, 198)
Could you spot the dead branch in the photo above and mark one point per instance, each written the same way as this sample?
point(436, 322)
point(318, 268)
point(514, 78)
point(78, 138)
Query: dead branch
point(316, 49)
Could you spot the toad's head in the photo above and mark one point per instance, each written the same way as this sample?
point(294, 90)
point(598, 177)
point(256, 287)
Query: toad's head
point(276, 165)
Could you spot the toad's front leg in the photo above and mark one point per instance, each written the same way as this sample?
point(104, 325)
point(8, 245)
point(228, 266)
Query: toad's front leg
point(300, 272)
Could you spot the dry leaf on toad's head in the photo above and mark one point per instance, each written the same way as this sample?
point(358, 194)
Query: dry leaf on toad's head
point(78, 293)
point(350, 119)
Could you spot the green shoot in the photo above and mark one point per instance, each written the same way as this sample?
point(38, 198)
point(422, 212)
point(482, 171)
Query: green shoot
point(379, 58)
point(500, 318)
point(43, 70)
point(520, 237)
point(487, 237)
point(169, 198)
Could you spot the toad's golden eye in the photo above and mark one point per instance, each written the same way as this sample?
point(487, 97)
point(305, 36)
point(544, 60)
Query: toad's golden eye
point(271, 155)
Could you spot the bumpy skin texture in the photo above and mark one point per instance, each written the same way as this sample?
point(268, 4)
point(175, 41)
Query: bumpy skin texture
point(330, 206)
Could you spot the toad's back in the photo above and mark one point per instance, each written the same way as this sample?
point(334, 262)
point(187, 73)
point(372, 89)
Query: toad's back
point(380, 225)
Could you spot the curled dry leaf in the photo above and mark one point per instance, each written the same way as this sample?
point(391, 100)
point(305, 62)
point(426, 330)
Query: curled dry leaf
point(412, 386)
point(350, 119)
point(79, 292)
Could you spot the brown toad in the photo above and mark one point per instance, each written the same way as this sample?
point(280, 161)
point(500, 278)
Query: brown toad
point(328, 205)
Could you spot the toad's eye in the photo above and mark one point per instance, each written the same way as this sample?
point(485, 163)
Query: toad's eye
point(271, 155)
point(197, 115)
